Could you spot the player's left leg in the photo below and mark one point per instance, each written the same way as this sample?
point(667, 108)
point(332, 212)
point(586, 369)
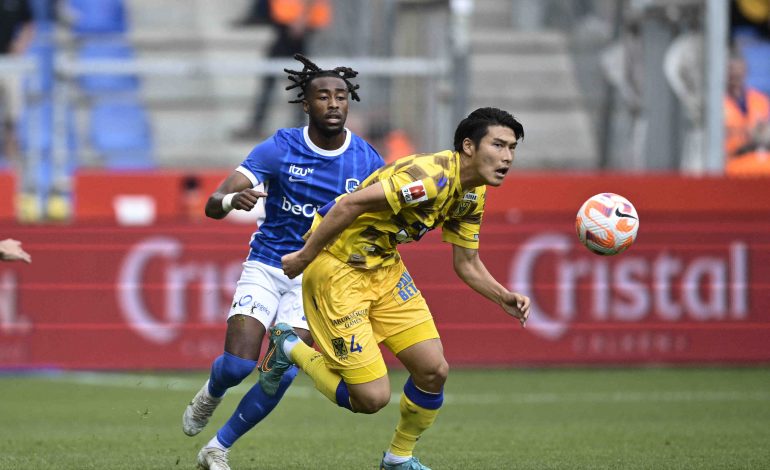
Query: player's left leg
point(403, 319)
point(257, 404)
point(421, 352)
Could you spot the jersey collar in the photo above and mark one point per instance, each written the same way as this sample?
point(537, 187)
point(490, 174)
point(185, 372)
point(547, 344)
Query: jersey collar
point(327, 153)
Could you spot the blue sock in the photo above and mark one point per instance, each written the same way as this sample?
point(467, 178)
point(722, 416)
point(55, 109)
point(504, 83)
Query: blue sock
point(228, 371)
point(343, 396)
point(252, 409)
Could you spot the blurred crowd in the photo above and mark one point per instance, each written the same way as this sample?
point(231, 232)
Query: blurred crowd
point(120, 131)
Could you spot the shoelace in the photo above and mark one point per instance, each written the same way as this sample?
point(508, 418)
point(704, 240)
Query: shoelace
point(219, 458)
point(204, 408)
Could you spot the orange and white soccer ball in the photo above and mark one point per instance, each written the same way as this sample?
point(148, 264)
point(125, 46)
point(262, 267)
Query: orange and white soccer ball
point(607, 224)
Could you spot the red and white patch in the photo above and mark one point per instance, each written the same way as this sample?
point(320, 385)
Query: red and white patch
point(414, 192)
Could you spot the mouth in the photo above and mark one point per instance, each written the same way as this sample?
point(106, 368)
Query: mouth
point(501, 172)
point(333, 118)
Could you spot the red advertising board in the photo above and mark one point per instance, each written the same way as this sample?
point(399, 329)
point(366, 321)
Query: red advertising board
point(107, 297)
point(693, 289)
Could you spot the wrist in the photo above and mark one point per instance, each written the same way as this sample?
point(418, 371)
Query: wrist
point(227, 202)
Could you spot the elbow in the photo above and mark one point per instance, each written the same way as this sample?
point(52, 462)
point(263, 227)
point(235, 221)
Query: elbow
point(214, 210)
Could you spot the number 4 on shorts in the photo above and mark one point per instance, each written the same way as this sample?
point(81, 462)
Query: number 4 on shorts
point(354, 347)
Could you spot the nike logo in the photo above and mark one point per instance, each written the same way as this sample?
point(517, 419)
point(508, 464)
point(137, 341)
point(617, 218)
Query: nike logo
point(296, 180)
point(620, 214)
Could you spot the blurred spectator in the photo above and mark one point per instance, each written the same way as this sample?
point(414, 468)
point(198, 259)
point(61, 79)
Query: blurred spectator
point(750, 19)
point(258, 13)
point(683, 67)
point(193, 200)
point(16, 32)
point(10, 250)
point(391, 143)
point(747, 123)
point(293, 22)
point(623, 67)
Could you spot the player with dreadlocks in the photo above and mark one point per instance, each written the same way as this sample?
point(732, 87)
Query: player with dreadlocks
point(284, 179)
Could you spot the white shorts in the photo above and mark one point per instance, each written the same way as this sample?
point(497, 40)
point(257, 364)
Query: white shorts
point(266, 294)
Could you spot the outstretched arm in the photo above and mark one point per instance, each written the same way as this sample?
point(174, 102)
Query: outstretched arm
point(10, 250)
point(339, 217)
point(244, 197)
point(471, 270)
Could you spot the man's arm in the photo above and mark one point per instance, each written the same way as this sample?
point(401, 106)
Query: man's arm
point(471, 270)
point(244, 197)
point(10, 250)
point(339, 217)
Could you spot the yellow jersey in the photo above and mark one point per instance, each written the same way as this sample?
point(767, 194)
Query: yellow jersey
point(424, 193)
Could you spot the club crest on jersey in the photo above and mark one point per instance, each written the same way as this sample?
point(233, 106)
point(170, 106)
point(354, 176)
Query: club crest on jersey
point(414, 192)
point(351, 184)
point(340, 348)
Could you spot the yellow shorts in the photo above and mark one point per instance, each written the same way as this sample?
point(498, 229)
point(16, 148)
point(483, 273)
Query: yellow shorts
point(350, 311)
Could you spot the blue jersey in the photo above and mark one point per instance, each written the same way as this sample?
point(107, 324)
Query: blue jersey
point(299, 177)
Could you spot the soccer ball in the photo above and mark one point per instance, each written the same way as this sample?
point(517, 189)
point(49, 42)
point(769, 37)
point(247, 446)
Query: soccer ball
point(607, 224)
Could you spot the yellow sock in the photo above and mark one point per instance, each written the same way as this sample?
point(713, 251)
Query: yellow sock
point(414, 421)
point(314, 365)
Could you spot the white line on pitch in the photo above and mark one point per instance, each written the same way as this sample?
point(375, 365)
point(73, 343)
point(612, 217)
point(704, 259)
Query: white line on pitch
point(184, 384)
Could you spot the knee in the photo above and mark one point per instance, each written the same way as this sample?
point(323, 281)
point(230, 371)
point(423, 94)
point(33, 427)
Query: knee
point(371, 403)
point(432, 377)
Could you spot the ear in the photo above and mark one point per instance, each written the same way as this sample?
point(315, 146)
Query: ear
point(468, 146)
point(305, 107)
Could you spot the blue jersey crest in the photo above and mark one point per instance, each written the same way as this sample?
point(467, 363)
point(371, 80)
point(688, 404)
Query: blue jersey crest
point(300, 177)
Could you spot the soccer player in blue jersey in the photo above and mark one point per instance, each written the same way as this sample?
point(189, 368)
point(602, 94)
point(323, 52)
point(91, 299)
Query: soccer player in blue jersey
point(290, 174)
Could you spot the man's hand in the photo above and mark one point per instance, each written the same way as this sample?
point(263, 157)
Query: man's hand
point(10, 250)
point(516, 305)
point(293, 264)
point(247, 199)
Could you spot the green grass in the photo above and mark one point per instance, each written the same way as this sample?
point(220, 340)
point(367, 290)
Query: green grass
point(492, 419)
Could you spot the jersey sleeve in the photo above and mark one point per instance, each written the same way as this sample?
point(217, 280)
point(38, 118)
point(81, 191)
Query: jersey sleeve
point(264, 161)
point(402, 190)
point(464, 224)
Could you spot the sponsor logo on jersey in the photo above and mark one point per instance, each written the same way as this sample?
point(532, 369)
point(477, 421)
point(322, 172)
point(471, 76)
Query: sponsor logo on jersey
point(405, 289)
point(351, 319)
point(246, 299)
point(259, 307)
point(308, 210)
point(297, 173)
point(414, 192)
point(351, 184)
point(473, 197)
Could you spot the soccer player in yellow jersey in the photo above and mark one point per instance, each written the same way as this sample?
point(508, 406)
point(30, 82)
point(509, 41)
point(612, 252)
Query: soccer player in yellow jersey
point(357, 292)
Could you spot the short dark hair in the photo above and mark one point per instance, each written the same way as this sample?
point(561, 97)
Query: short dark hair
point(302, 78)
point(475, 126)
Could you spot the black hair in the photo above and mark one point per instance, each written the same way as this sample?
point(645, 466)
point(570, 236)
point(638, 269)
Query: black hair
point(310, 71)
point(475, 126)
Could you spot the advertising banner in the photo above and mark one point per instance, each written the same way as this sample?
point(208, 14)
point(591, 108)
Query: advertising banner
point(694, 288)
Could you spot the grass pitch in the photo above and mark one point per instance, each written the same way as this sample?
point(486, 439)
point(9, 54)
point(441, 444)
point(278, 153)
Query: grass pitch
point(711, 418)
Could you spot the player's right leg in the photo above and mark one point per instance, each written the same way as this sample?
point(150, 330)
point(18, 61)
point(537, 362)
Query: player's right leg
point(350, 370)
point(254, 306)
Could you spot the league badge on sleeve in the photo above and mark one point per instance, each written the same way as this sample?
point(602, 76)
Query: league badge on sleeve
point(414, 192)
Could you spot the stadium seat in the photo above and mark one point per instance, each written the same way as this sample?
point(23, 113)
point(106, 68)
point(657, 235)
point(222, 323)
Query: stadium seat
point(120, 132)
point(94, 84)
point(98, 17)
point(757, 55)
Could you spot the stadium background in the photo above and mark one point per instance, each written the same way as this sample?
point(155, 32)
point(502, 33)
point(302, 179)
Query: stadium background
point(126, 131)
